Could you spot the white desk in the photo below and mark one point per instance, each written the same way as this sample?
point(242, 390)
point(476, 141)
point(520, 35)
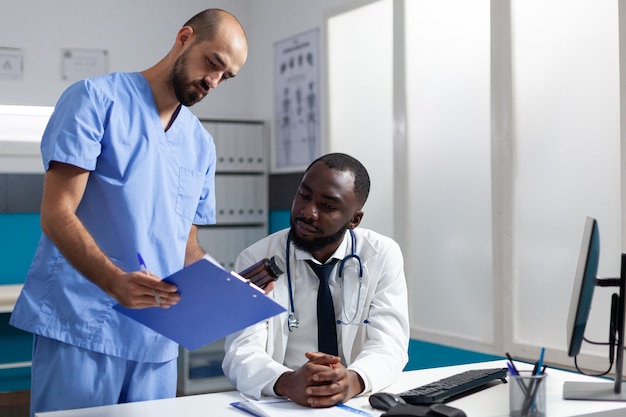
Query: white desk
point(491, 402)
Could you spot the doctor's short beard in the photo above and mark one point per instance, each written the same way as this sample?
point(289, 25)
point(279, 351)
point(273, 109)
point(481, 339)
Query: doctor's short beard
point(317, 243)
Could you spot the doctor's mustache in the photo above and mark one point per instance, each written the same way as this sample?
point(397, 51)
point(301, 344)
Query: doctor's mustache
point(309, 223)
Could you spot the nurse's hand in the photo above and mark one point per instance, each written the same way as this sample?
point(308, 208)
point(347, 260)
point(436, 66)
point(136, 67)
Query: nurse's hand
point(141, 290)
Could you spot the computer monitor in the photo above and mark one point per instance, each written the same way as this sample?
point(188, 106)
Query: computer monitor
point(585, 281)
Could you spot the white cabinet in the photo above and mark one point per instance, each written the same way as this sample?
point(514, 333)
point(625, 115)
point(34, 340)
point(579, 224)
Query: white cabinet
point(241, 190)
point(200, 370)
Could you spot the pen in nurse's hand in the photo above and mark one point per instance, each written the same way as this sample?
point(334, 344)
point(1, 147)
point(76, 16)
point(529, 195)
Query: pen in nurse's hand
point(145, 269)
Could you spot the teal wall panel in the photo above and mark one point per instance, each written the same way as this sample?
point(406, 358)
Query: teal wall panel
point(15, 346)
point(430, 355)
point(19, 235)
point(14, 379)
point(279, 219)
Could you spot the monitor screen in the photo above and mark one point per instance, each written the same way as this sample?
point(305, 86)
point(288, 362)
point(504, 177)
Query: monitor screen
point(584, 285)
point(585, 281)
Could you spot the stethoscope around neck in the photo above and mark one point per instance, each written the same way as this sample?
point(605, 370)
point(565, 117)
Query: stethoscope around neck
point(293, 322)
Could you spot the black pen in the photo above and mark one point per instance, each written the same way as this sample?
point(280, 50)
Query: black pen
point(511, 360)
point(535, 368)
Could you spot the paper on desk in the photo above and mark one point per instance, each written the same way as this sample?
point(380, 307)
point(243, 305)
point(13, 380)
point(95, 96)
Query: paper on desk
point(278, 407)
point(213, 304)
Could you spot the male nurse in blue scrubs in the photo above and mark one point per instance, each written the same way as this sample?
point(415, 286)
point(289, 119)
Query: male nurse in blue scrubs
point(129, 169)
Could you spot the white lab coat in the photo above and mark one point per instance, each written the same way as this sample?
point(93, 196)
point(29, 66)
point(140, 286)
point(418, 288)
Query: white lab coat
point(377, 351)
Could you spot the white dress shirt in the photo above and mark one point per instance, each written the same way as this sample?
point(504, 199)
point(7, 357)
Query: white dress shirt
point(375, 345)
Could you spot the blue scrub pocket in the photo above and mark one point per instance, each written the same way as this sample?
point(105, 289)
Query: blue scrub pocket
point(189, 190)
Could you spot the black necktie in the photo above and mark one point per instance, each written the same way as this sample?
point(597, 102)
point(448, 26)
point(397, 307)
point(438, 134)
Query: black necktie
point(326, 320)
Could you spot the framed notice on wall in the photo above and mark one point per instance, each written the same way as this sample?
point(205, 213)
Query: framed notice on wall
point(78, 64)
point(297, 130)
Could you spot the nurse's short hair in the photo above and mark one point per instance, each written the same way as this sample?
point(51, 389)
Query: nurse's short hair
point(206, 23)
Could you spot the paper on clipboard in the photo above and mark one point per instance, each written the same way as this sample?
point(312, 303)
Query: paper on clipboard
point(214, 303)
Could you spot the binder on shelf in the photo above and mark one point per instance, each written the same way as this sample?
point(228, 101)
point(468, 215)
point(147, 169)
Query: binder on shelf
point(214, 303)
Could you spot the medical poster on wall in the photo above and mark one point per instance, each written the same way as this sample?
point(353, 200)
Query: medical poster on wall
point(296, 129)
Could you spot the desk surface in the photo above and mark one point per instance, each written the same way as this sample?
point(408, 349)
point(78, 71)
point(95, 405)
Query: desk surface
point(491, 402)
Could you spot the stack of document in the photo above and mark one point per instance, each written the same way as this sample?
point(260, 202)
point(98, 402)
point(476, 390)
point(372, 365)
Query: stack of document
point(280, 407)
point(213, 304)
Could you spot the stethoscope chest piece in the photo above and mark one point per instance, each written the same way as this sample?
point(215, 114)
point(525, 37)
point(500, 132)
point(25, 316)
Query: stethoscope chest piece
point(292, 322)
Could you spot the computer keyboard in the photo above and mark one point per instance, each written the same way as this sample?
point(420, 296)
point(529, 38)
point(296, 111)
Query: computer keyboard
point(455, 385)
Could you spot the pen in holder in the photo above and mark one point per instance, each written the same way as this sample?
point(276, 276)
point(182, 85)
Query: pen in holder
point(262, 272)
point(527, 394)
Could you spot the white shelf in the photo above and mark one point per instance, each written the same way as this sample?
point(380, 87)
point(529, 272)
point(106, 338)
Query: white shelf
point(21, 128)
point(241, 180)
point(8, 296)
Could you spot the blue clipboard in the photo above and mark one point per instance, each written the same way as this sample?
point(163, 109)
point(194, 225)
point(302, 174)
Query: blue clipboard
point(213, 304)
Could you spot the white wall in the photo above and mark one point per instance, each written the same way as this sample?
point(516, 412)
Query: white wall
point(563, 164)
point(449, 185)
point(139, 33)
point(567, 163)
point(360, 101)
point(513, 138)
point(136, 34)
point(274, 20)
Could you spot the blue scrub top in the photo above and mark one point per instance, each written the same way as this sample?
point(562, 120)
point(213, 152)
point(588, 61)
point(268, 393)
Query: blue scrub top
point(145, 189)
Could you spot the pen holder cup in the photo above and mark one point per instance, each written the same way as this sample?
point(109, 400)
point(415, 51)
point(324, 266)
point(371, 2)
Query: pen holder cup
point(527, 395)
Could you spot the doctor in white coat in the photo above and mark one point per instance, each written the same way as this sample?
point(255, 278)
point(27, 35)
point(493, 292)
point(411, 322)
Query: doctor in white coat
point(281, 356)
